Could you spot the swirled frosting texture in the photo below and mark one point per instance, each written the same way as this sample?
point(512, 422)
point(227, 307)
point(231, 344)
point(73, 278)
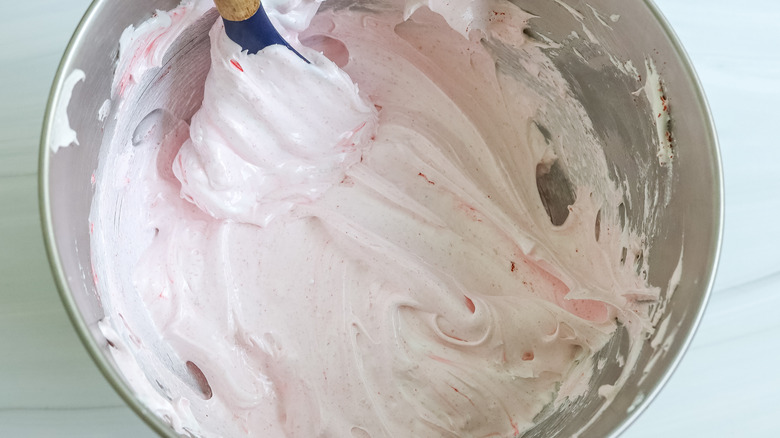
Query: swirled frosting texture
point(363, 251)
point(259, 145)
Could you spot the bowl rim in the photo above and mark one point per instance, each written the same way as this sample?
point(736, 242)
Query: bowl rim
point(163, 429)
point(719, 207)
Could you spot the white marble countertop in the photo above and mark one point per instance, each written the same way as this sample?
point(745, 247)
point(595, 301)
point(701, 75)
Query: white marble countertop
point(728, 383)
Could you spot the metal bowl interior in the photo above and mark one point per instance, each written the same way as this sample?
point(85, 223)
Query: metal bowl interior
point(691, 223)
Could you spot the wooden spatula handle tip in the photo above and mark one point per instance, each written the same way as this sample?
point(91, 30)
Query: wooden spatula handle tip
point(237, 10)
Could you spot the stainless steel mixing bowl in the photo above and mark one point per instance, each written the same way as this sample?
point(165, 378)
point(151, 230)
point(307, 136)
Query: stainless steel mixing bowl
point(693, 216)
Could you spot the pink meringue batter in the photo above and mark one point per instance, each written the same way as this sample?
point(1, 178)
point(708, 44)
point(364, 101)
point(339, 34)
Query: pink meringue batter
point(357, 247)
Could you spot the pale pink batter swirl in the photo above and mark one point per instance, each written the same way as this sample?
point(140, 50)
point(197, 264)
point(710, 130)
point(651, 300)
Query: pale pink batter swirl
point(362, 251)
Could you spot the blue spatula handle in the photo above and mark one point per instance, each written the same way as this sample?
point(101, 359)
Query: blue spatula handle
point(256, 33)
